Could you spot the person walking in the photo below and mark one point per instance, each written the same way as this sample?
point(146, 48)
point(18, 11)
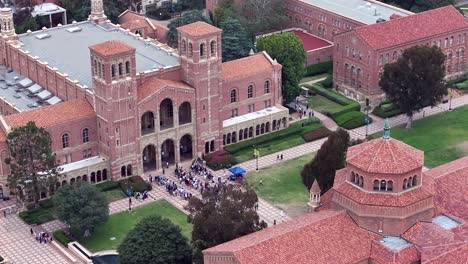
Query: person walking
point(129, 203)
point(32, 231)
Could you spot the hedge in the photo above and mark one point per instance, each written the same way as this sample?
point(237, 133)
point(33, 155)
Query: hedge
point(44, 213)
point(136, 183)
point(317, 134)
point(219, 159)
point(61, 237)
point(107, 186)
point(328, 82)
point(456, 81)
point(348, 104)
point(462, 85)
point(294, 129)
point(319, 68)
point(351, 120)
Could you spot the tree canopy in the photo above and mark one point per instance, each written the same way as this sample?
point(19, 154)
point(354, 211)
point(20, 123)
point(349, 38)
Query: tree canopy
point(185, 19)
point(82, 206)
point(155, 240)
point(330, 157)
point(415, 80)
point(419, 5)
point(31, 160)
point(224, 213)
point(288, 50)
point(236, 41)
point(79, 10)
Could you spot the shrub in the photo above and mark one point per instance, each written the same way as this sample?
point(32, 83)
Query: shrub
point(38, 216)
point(462, 85)
point(136, 183)
point(319, 68)
point(317, 134)
point(351, 120)
point(107, 186)
point(386, 110)
point(328, 82)
point(61, 237)
point(46, 204)
point(456, 81)
point(219, 159)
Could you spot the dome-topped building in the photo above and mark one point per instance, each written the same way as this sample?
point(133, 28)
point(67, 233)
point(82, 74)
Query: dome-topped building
point(383, 190)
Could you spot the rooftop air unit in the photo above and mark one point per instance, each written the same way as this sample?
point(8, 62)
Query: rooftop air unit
point(43, 36)
point(74, 29)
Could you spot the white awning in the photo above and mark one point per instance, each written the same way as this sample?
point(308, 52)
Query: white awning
point(81, 164)
point(35, 88)
point(46, 9)
point(44, 95)
point(54, 100)
point(252, 116)
point(26, 82)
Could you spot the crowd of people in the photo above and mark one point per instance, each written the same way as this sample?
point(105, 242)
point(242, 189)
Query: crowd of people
point(41, 236)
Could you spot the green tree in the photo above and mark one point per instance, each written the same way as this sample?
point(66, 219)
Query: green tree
point(236, 42)
point(82, 206)
point(185, 19)
point(415, 80)
point(223, 214)
point(260, 16)
point(330, 157)
point(419, 5)
point(288, 50)
point(224, 10)
point(155, 240)
point(79, 10)
point(31, 160)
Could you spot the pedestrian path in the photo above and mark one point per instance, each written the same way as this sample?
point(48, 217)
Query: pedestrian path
point(19, 246)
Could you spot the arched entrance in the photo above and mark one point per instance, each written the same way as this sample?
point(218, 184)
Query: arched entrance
point(166, 114)
point(1, 192)
point(147, 123)
point(149, 158)
point(186, 148)
point(168, 152)
point(185, 113)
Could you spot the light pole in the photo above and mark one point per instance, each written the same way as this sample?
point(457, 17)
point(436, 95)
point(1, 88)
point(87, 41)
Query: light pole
point(367, 121)
point(450, 99)
point(256, 157)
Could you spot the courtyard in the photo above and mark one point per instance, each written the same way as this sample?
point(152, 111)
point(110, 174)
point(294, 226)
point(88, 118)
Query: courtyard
point(442, 137)
point(113, 232)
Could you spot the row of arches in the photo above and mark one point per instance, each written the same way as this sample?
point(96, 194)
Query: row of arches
point(410, 182)
point(167, 153)
point(357, 179)
point(247, 133)
point(383, 185)
point(118, 70)
point(93, 178)
point(166, 117)
point(187, 50)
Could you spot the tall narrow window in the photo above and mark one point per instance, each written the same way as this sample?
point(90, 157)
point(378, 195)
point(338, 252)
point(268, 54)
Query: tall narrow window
point(127, 68)
point(266, 86)
point(233, 96)
point(213, 48)
point(183, 47)
point(113, 70)
point(85, 135)
point(120, 69)
point(65, 141)
point(250, 91)
point(190, 50)
point(202, 50)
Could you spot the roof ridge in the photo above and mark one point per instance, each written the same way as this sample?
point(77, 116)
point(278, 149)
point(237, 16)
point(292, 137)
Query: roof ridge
point(375, 156)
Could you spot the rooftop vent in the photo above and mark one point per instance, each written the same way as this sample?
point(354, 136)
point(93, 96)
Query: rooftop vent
point(74, 29)
point(43, 36)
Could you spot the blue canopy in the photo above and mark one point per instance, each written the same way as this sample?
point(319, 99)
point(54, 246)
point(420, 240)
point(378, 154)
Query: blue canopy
point(237, 170)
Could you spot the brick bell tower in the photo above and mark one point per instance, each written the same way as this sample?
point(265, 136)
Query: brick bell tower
point(200, 60)
point(97, 12)
point(113, 67)
point(7, 33)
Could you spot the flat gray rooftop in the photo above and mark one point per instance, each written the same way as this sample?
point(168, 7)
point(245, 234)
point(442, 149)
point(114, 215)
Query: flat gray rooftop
point(19, 99)
point(445, 222)
point(394, 243)
point(367, 12)
point(69, 52)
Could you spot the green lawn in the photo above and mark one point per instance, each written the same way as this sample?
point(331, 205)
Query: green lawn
point(276, 145)
point(322, 104)
point(114, 195)
point(443, 137)
point(282, 185)
point(120, 224)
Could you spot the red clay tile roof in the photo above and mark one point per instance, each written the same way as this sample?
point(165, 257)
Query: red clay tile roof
point(53, 115)
point(198, 29)
point(412, 28)
point(315, 187)
point(382, 199)
point(111, 47)
point(384, 255)
point(449, 183)
point(155, 84)
point(312, 238)
point(454, 256)
point(385, 156)
point(247, 66)
point(326, 198)
point(311, 42)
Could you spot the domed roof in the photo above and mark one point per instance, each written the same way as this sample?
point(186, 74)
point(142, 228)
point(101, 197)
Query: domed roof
point(385, 156)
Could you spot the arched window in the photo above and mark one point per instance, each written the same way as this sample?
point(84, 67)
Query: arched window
point(95, 67)
point(414, 181)
point(250, 91)
point(127, 68)
point(451, 41)
point(202, 50)
point(103, 72)
point(266, 86)
point(123, 171)
point(183, 47)
point(85, 135)
point(65, 141)
point(129, 169)
point(380, 60)
point(99, 70)
point(361, 181)
point(190, 50)
point(120, 69)
point(405, 184)
point(233, 96)
point(113, 70)
point(386, 58)
point(390, 186)
point(376, 185)
point(394, 57)
point(410, 182)
point(353, 177)
point(213, 48)
point(383, 185)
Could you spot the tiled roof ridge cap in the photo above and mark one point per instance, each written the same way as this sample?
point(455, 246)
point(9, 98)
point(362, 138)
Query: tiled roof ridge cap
point(448, 171)
point(375, 156)
point(322, 217)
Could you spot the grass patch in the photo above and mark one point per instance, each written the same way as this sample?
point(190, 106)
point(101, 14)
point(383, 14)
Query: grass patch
point(351, 120)
point(120, 224)
point(276, 141)
point(323, 104)
point(61, 237)
point(440, 136)
point(44, 213)
point(114, 195)
point(282, 184)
